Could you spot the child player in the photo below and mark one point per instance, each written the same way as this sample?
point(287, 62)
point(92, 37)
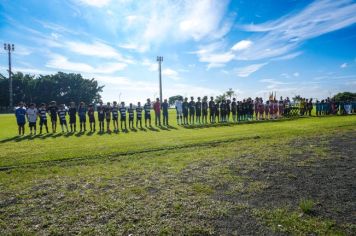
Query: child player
point(108, 116)
point(53, 109)
point(191, 110)
point(139, 115)
point(32, 114)
point(123, 116)
point(82, 110)
point(198, 110)
point(91, 117)
point(62, 117)
point(73, 118)
point(101, 116)
point(185, 107)
point(20, 114)
point(147, 108)
point(115, 116)
point(131, 116)
point(234, 109)
point(164, 107)
point(179, 109)
point(42, 112)
point(204, 109)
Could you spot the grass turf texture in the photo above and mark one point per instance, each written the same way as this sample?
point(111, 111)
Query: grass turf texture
point(234, 179)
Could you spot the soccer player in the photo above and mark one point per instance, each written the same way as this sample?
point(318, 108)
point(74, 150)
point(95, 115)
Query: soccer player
point(108, 116)
point(157, 109)
point(115, 116)
point(62, 112)
point(228, 110)
point(185, 107)
point(20, 114)
point(198, 106)
point(234, 109)
point(223, 111)
point(204, 108)
point(164, 107)
point(191, 110)
point(147, 108)
point(179, 109)
point(72, 118)
point(42, 112)
point(139, 115)
point(53, 109)
point(317, 106)
point(212, 110)
point(310, 106)
point(131, 116)
point(267, 110)
point(82, 110)
point(91, 116)
point(32, 114)
point(217, 112)
point(101, 116)
point(123, 116)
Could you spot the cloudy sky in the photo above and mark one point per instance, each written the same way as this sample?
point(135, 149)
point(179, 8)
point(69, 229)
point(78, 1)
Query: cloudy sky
point(252, 46)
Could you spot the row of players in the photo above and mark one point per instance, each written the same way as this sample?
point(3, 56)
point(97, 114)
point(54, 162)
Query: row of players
point(187, 113)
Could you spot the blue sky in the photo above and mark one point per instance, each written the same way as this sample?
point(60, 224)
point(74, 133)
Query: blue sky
point(291, 47)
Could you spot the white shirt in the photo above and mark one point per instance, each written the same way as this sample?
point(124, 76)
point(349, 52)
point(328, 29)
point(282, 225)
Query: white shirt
point(32, 114)
point(179, 105)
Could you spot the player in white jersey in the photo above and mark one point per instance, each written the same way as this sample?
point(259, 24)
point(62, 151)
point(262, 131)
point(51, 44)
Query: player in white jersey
point(179, 109)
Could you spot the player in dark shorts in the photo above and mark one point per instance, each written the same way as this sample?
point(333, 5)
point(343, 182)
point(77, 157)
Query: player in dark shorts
point(239, 111)
point(91, 116)
point(122, 110)
point(53, 109)
point(212, 110)
point(72, 118)
point(191, 110)
point(198, 106)
point(131, 116)
point(101, 116)
point(228, 110)
point(223, 111)
point(185, 106)
point(115, 116)
point(82, 110)
point(42, 111)
point(147, 108)
point(217, 112)
point(139, 115)
point(234, 109)
point(62, 112)
point(108, 116)
point(204, 110)
point(164, 107)
point(20, 114)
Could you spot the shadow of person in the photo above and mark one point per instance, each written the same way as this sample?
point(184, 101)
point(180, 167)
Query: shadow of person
point(11, 139)
point(133, 129)
point(152, 128)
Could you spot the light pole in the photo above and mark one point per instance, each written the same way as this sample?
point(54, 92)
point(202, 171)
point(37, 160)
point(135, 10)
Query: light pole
point(10, 48)
point(160, 59)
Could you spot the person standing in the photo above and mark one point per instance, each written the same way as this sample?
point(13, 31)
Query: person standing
point(157, 109)
point(198, 106)
point(42, 112)
point(123, 116)
point(228, 110)
point(139, 115)
point(204, 109)
point(101, 116)
point(32, 114)
point(234, 109)
point(147, 108)
point(108, 116)
point(20, 114)
point(115, 116)
point(185, 107)
point(72, 118)
point(62, 112)
point(179, 109)
point(82, 110)
point(223, 111)
point(191, 110)
point(91, 116)
point(212, 110)
point(131, 116)
point(53, 110)
point(164, 107)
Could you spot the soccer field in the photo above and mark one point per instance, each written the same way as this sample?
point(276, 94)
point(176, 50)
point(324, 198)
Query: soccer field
point(293, 176)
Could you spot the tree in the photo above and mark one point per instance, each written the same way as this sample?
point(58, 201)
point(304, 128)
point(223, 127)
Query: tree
point(172, 100)
point(345, 96)
point(296, 98)
point(60, 87)
point(219, 98)
point(230, 93)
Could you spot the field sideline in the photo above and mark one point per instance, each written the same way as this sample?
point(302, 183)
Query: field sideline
point(289, 176)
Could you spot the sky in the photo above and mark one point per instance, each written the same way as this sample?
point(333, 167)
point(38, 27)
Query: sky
point(291, 47)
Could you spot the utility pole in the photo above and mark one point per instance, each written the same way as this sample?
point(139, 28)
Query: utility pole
point(160, 59)
point(10, 48)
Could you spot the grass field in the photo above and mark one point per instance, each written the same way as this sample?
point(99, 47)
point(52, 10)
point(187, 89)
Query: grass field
point(278, 177)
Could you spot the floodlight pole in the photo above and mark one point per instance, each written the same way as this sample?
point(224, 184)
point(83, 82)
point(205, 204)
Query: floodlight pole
point(160, 59)
point(10, 48)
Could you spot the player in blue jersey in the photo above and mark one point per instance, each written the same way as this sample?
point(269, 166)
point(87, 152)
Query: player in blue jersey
point(20, 114)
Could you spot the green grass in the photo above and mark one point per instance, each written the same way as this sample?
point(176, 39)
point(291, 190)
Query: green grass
point(163, 181)
point(306, 205)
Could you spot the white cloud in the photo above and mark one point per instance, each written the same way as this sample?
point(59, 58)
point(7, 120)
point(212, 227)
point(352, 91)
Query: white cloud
point(150, 65)
point(60, 62)
point(282, 36)
point(242, 45)
point(248, 70)
point(171, 74)
point(95, 3)
point(296, 74)
point(344, 65)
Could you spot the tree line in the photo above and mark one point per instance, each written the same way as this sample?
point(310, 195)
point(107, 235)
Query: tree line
point(61, 87)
